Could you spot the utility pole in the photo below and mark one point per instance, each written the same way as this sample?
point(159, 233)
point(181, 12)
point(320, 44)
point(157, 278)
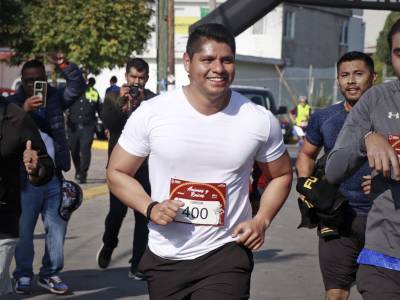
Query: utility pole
point(171, 44)
point(212, 4)
point(162, 46)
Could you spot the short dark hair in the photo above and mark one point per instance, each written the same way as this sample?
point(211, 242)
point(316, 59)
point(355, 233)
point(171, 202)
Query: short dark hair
point(34, 63)
point(356, 55)
point(91, 81)
point(138, 63)
point(393, 30)
point(113, 79)
point(211, 31)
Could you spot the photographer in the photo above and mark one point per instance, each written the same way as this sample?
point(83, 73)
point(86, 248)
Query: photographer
point(116, 109)
point(48, 115)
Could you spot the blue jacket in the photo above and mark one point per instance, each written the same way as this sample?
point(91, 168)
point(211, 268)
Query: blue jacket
point(52, 121)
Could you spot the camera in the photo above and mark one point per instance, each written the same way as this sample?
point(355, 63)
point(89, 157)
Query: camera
point(40, 89)
point(134, 90)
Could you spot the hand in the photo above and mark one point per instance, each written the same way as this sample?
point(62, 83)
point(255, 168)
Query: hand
point(32, 103)
point(250, 233)
point(107, 134)
point(57, 58)
point(30, 159)
point(382, 156)
point(366, 184)
point(165, 212)
point(124, 93)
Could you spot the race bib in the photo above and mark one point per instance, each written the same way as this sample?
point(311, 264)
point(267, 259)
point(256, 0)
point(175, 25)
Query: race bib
point(204, 203)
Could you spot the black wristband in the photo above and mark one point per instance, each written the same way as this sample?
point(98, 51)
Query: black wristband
point(150, 208)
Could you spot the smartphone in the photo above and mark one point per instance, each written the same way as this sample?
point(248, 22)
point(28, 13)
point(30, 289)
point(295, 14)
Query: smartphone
point(40, 89)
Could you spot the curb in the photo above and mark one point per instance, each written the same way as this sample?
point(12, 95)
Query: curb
point(94, 192)
point(100, 145)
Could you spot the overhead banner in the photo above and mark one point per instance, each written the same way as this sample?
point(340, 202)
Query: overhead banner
point(237, 16)
point(364, 4)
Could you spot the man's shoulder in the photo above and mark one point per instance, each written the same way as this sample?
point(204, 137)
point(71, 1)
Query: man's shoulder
point(149, 94)
point(328, 111)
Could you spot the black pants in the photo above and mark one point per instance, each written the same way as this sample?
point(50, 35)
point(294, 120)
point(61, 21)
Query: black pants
point(378, 283)
point(222, 274)
point(80, 139)
point(338, 256)
point(116, 215)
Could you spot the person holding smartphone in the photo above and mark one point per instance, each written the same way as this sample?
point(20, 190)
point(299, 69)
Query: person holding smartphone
point(45, 200)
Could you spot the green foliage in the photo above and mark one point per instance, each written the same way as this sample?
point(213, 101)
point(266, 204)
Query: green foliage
point(95, 34)
point(382, 55)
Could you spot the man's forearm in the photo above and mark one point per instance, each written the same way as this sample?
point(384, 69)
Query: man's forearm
point(304, 165)
point(128, 190)
point(274, 197)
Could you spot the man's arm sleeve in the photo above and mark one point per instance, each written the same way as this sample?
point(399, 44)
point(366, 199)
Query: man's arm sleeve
point(45, 163)
point(111, 115)
point(75, 85)
point(349, 151)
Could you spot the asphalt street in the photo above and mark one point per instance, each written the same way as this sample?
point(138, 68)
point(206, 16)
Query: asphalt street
point(286, 267)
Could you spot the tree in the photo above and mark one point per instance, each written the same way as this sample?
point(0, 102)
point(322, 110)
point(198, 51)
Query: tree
point(95, 34)
point(382, 54)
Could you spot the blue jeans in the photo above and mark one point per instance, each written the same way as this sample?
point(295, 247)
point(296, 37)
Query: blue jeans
point(43, 200)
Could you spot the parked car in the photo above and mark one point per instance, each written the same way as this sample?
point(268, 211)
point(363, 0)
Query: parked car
point(5, 92)
point(263, 96)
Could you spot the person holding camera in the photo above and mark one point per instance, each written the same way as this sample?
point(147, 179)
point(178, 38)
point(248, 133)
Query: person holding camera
point(48, 115)
point(81, 123)
point(116, 109)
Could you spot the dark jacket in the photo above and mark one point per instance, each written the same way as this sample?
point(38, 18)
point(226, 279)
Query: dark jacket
point(58, 100)
point(113, 118)
point(83, 112)
point(17, 128)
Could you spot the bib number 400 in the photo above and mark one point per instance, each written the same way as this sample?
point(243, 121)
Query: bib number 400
point(195, 212)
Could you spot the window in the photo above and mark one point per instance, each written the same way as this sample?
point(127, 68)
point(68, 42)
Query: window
point(258, 27)
point(344, 33)
point(288, 25)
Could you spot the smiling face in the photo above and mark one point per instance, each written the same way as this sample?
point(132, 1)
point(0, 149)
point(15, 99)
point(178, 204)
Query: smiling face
point(354, 78)
point(211, 70)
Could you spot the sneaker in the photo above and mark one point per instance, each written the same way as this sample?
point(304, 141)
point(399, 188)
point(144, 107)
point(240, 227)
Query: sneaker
point(104, 256)
point(23, 285)
point(54, 284)
point(136, 275)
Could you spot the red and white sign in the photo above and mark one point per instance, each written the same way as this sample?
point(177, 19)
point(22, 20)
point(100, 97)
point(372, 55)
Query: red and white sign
point(394, 140)
point(204, 202)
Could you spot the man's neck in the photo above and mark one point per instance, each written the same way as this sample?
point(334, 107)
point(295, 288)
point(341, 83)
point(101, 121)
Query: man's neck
point(347, 106)
point(204, 104)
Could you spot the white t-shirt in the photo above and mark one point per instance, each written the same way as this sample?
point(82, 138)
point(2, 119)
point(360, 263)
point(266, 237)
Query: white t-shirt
point(49, 143)
point(182, 143)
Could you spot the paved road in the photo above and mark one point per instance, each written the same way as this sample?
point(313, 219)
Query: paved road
point(286, 268)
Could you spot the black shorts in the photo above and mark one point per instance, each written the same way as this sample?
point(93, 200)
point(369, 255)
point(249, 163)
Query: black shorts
point(223, 273)
point(378, 283)
point(338, 256)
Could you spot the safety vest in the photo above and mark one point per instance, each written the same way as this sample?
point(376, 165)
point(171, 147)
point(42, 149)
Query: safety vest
point(303, 114)
point(92, 95)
